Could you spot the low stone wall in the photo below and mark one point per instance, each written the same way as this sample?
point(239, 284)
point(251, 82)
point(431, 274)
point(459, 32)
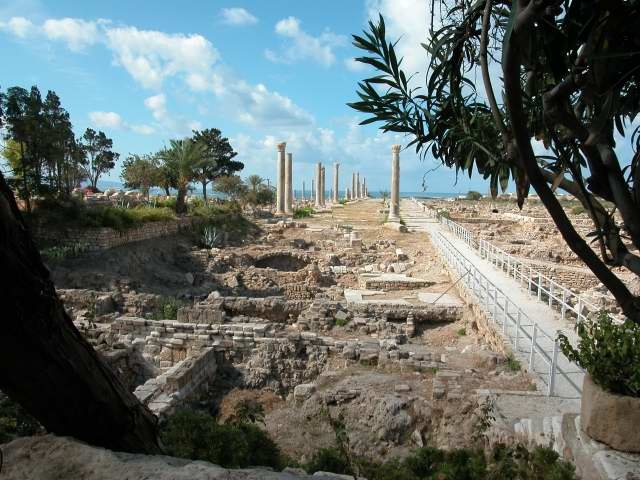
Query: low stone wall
point(275, 309)
point(95, 239)
point(165, 392)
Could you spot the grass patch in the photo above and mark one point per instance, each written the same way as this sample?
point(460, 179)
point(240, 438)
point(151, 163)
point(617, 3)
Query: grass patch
point(303, 212)
point(75, 214)
point(461, 332)
point(166, 308)
point(341, 322)
point(513, 365)
point(226, 219)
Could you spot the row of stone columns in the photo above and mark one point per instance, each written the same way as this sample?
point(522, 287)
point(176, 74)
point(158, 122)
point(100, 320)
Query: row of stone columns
point(284, 187)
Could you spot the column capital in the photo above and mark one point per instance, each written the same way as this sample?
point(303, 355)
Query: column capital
point(281, 146)
point(396, 148)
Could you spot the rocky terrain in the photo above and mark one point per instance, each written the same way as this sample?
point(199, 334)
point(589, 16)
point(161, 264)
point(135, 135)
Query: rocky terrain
point(333, 315)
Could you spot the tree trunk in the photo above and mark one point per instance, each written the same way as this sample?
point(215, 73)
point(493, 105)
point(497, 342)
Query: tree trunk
point(204, 190)
point(46, 365)
point(181, 206)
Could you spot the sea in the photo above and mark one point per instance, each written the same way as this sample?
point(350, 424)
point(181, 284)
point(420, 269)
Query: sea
point(197, 192)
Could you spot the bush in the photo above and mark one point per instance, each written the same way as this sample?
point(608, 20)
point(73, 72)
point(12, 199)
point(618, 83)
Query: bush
point(609, 352)
point(461, 332)
point(15, 421)
point(226, 217)
point(303, 212)
point(195, 435)
point(473, 195)
point(513, 364)
point(166, 308)
point(577, 210)
point(329, 460)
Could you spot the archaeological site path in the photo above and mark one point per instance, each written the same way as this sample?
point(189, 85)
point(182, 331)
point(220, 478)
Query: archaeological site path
point(568, 378)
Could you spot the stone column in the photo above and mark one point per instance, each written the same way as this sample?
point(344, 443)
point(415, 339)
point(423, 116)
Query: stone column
point(280, 178)
point(318, 199)
point(303, 194)
point(394, 208)
point(364, 188)
point(358, 192)
point(313, 190)
point(348, 194)
point(353, 186)
point(324, 187)
point(288, 184)
point(336, 167)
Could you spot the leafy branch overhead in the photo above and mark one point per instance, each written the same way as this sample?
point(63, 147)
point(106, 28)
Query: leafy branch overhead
point(567, 74)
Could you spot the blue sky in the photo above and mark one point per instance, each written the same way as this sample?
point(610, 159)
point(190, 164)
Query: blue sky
point(262, 72)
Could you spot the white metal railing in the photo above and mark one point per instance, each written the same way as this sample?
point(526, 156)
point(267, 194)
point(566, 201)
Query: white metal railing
point(556, 295)
point(524, 334)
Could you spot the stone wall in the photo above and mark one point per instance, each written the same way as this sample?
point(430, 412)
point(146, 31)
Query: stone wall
point(104, 238)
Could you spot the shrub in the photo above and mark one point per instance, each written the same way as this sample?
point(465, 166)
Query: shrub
point(166, 308)
point(609, 352)
point(473, 195)
point(226, 217)
point(329, 460)
point(303, 212)
point(247, 411)
point(513, 364)
point(577, 210)
point(60, 252)
point(341, 322)
point(15, 421)
point(210, 236)
point(461, 332)
point(196, 435)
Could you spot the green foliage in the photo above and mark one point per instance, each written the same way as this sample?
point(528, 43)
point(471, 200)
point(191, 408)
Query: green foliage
point(517, 462)
point(609, 352)
point(577, 210)
point(303, 212)
point(60, 252)
point(444, 214)
point(143, 172)
point(166, 308)
point(210, 237)
point(473, 195)
point(513, 364)
point(15, 421)
point(169, 202)
point(461, 332)
point(76, 214)
point(247, 411)
point(230, 185)
point(195, 435)
point(329, 459)
point(341, 322)
point(101, 158)
point(226, 217)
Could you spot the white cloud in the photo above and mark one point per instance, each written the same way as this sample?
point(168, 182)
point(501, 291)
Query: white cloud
point(76, 33)
point(157, 104)
point(237, 16)
point(105, 119)
point(151, 56)
point(18, 26)
point(143, 129)
point(302, 46)
point(354, 66)
point(407, 20)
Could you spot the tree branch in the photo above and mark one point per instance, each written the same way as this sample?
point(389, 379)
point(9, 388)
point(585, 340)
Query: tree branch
point(514, 102)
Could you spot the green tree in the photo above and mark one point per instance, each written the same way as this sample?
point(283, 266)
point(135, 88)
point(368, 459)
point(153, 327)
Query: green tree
point(16, 103)
point(254, 182)
point(231, 185)
point(570, 78)
point(101, 158)
point(218, 160)
point(142, 172)
point(182, 161)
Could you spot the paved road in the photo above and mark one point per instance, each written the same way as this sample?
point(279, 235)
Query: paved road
point(547, 319)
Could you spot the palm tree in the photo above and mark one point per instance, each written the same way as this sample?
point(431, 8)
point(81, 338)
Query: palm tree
point(182, 159)
point(254, 181)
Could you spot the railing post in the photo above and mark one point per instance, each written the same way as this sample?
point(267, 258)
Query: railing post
point(579, 309)
point(515, 342)
point(533, 347)
point(495, 305)
point(551, 293)
point(552, 368)
point(529, 279)
point(563, 308)
point(539, 286)
point(505, 315)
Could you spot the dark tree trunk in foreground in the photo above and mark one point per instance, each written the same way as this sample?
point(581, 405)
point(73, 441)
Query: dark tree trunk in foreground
point(46, 365)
